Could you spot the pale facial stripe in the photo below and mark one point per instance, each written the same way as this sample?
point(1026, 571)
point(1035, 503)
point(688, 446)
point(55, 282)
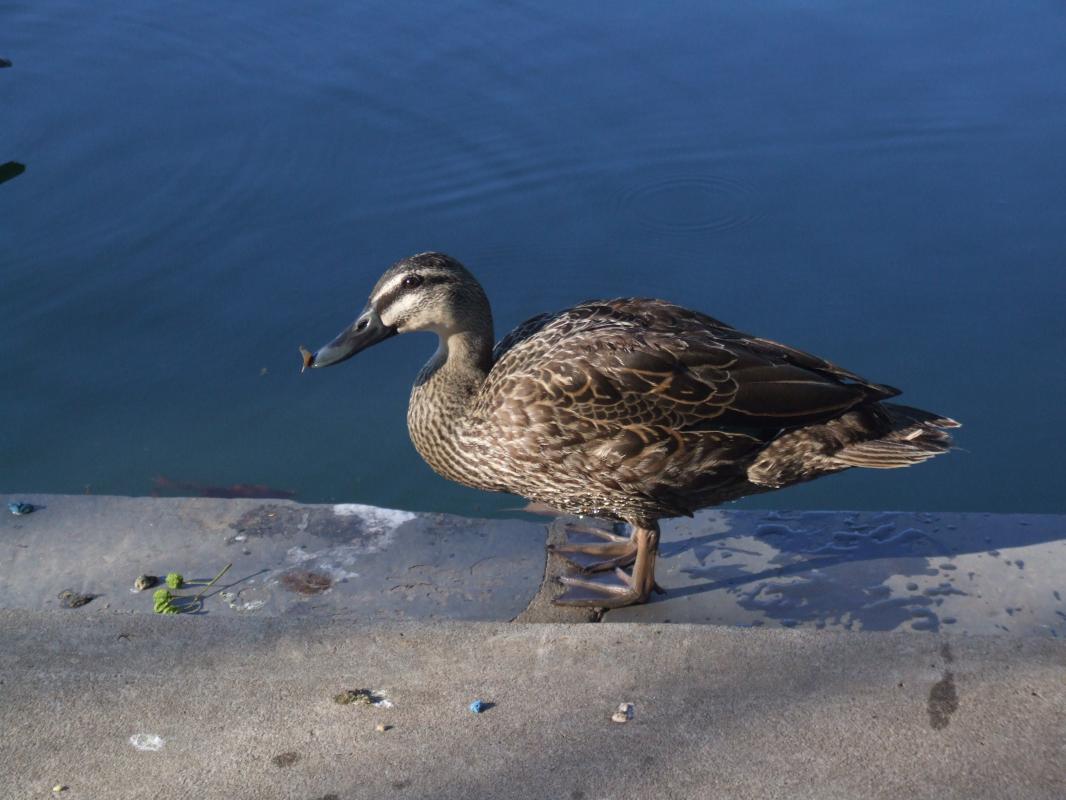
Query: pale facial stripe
point(395, 299)
point(392, 287)
point(397, 309)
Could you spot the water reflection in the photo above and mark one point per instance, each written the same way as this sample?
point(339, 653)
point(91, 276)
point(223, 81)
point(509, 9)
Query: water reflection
point(11, 169)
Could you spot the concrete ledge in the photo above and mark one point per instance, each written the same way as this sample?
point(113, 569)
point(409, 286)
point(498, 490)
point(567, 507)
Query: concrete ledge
point(133, 706)
point(289, 559)
point(917, 572)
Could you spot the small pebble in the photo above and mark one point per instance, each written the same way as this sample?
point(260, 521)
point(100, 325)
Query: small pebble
point(20, 509)
point(145, 582)
point(70, 599)
point(381, 727)
point(623, 714)
point(477, 706)
point(363, 697)
point(59, 788)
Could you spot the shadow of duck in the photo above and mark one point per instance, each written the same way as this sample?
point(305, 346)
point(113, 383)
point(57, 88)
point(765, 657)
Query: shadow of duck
point(863, 571)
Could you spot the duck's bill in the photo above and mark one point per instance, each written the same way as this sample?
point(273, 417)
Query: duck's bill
point(367, 330)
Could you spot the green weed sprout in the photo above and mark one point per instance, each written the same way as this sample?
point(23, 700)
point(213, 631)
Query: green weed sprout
point(166, 602)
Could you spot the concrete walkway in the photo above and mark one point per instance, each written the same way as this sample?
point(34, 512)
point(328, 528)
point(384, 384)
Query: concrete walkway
point(133, 706)
point(795, 698)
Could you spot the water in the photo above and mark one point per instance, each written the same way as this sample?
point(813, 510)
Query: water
point(208, 186)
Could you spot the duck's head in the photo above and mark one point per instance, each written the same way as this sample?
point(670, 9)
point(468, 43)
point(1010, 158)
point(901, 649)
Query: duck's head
point(426, 292)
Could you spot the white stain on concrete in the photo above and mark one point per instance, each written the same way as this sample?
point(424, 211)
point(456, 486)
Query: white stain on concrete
point(338, 561)
point(233, 601)
point(297, 555)
point(377, 520)
point(334, 561)
point(148, 742)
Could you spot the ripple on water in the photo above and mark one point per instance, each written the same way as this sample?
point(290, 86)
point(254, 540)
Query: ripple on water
point(692, 203)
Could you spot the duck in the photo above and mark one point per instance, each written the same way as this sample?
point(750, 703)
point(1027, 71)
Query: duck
point(630, 410)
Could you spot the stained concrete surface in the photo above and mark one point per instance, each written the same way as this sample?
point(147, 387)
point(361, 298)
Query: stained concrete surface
point(287, 558)
point(796, 698)
point(882, 571)
point(123, 705)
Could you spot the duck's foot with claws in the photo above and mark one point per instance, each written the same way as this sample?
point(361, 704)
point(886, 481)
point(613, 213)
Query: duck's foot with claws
point(618, 588)
point(594, 549)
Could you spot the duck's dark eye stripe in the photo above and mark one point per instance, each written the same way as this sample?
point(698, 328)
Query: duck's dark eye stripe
point(386, 300)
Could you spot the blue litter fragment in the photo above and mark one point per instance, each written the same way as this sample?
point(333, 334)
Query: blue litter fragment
point(18, 509)
point(478, 706)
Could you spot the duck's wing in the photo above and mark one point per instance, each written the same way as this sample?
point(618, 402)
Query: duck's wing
point(634, 358)
point(650, 393)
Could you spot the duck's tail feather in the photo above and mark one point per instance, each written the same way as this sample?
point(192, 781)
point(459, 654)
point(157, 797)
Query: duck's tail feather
point(915, 436)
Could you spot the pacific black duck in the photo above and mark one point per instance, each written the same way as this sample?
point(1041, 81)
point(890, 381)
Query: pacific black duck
point(631, 410)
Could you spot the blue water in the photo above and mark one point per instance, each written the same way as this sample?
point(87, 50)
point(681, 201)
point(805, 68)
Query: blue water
point(209, 185)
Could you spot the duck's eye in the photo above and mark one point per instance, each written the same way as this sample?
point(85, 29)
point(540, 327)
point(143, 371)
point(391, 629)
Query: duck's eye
point(411, 281)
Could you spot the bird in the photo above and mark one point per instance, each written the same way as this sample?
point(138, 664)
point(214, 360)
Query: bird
point(631, 410)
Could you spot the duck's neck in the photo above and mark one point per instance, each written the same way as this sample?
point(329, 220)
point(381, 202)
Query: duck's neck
point(461, 356)
point(443, 397)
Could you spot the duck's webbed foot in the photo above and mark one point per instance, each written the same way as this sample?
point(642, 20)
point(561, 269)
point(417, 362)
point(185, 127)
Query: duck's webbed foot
point(612, 591)
point(595, 549)
point(619, 588)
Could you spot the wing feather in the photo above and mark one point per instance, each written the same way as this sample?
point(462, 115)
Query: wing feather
point(650, 397)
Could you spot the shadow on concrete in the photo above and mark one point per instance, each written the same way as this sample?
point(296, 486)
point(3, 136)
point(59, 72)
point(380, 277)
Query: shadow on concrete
point(874, 571)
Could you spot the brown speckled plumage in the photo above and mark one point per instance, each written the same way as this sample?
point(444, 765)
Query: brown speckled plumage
point(633, 409)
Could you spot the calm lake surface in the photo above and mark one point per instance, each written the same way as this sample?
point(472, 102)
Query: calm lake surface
point(209, 185)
